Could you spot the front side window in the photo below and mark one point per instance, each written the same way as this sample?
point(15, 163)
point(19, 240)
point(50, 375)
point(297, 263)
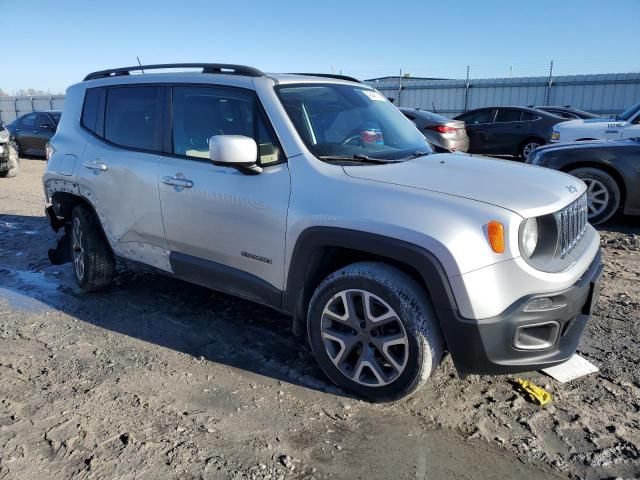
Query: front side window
point(629, 112)
point(202, 112)
point(132, 117)
point(337, 120)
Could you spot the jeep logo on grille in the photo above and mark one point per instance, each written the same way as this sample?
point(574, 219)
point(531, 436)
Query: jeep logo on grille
point(572, 188)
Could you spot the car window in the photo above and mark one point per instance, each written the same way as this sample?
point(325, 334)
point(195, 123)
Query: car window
point(29, 121)
point(528, 116)
point(480, 116)
point(56, 117)
point(44, 121)
point(508, 115)
point(132, 117)
point(90, 109)
point(202, 112)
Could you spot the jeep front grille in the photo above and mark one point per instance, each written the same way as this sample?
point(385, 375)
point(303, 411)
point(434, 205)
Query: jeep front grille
point(572, 224)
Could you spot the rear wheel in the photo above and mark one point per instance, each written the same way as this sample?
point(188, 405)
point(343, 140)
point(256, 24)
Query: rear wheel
point(603, 193)
point(93, 262)
point(374, 332)
point(529, 146)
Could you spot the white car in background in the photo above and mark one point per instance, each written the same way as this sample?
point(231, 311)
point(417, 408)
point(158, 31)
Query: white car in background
point(625, 125)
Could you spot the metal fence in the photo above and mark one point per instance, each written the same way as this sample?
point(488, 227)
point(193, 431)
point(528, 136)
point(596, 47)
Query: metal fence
point(601, 94)
point(12, 107)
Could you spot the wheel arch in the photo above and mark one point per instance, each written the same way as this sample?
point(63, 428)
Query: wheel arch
point(63, 204)
point(615, 174)
point(320, 251)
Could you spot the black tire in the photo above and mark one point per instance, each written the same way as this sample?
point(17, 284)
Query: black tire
point(14, 162)
point(601, 187)
point(528, 146)
point(90, 247)
point(422, 347)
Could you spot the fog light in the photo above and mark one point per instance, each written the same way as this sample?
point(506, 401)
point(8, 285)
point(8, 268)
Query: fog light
point(542, 304)
point(536, 337)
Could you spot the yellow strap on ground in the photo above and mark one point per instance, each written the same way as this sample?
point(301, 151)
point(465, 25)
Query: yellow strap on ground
point(535, 393)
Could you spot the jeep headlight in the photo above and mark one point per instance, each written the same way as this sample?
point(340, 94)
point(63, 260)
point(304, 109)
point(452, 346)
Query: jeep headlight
point(529, 236)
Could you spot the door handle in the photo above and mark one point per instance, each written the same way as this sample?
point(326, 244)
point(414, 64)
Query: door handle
point(95, 165)
point(177, 182)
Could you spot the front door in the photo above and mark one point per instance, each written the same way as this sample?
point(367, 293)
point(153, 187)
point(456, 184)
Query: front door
point(225, 228)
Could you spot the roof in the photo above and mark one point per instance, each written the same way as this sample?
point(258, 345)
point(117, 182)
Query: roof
point(208, 70)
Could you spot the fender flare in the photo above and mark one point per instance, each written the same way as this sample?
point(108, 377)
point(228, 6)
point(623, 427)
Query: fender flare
point(305, 258)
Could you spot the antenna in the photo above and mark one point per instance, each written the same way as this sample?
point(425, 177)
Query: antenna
point(140, 63)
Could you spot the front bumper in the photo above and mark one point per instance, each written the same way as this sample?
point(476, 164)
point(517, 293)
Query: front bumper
point(4, 156)
point(518, 340)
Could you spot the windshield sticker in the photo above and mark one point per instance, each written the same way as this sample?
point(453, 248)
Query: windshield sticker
point(373, 95)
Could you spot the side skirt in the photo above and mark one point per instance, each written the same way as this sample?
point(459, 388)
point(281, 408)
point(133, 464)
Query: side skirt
point(225, 279)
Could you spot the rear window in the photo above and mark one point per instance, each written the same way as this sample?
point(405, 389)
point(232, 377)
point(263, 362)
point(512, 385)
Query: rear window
point(132, 117)
point(480, 116)
point(508, 115)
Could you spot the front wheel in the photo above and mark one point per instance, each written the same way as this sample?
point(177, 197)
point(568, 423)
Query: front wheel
point(374, 332)
point(603, 193)
point(93, 262)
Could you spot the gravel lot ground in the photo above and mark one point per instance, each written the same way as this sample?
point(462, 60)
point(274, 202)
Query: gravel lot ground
point(161, 379)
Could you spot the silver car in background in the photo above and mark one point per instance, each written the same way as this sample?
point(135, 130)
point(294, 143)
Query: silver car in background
point(443, 133)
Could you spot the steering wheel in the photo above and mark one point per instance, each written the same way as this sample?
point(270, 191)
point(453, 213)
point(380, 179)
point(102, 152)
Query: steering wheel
point(351, 138)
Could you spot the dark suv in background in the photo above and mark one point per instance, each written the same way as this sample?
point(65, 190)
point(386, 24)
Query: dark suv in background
point(32, 131)
point(508, 130)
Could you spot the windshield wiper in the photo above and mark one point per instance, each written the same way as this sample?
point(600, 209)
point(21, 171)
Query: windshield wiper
point(357, 157)
point(418, 154)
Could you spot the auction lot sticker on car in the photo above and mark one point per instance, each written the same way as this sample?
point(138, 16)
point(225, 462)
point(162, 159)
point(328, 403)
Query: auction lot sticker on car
point(373, 95)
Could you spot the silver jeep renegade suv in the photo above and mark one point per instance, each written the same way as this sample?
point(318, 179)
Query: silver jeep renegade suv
point(314, 195)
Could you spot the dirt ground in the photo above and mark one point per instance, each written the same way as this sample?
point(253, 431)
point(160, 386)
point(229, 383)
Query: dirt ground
point(161, 379)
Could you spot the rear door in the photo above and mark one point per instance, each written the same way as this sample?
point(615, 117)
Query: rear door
point(119, 169)
point(478, 124)
point(225, 228)
point(507, 132)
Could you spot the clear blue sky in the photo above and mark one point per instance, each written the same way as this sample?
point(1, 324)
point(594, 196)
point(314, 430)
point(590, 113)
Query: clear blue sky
point(51, 44)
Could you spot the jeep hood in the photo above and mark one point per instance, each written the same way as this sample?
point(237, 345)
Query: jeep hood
point(524, 189)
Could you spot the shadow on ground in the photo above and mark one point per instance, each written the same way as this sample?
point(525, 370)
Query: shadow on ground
point(159, 310)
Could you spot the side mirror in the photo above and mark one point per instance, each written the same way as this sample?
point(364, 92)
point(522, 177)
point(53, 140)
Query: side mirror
point(234, 151)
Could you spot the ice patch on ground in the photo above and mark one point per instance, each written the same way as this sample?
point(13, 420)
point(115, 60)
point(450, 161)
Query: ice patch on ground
point(21, 301)
point(36, 279)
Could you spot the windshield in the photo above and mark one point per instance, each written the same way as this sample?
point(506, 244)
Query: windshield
point(336, 120)
point(629, 112)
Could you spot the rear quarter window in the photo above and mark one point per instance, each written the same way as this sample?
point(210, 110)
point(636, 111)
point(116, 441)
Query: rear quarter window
point(91, 110)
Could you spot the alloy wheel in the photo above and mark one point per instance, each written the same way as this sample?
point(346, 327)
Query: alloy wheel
point(597, 196)
point(77, 249)
point(528, 148)
point(364, 338)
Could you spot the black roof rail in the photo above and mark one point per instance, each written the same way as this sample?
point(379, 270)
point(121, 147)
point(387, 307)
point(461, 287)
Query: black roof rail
point(329, 75)
point(206, 68)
